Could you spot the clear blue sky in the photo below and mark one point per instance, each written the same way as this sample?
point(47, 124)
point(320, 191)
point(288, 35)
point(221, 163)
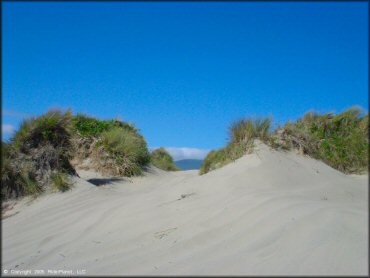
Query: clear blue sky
point(183, 71)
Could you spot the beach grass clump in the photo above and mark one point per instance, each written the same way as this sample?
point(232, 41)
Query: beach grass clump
point(113, 147)
point(40, 155)
point(340, 141)
point(50, 128)
point(38, 150)
point(121, 152)
point(86, 126)
point(245, 130)
point(61, 181)
point(215, 159)
point(18, 174)
point(242, 134)
point(161, 159)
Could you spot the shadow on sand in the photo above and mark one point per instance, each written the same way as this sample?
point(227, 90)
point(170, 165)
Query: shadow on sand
point(99, 182)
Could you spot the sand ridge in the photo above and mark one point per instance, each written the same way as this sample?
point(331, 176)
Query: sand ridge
point(268, 213)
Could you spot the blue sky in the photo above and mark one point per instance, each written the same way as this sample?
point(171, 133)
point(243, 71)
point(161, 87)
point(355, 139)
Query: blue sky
point(183, 71)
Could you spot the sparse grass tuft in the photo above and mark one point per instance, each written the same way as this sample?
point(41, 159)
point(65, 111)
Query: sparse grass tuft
point(241, 138)
point(215, 159)
point(163, 160)
point(61, 181)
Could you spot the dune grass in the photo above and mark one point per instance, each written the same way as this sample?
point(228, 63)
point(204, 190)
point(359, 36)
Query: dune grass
point(39, 155)
point(113, 146)
point(61, 181)
point(340, 141)
point(86, 126)
point(39, 149)
point(161, 159)
point(50, 128)
point(13, 183)
point(241, 138)
point(121, 152)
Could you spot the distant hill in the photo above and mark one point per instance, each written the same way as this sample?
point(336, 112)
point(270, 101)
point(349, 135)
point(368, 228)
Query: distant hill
point(189, 164)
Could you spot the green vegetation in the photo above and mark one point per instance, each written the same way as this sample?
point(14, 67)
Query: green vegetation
point(86, 126)
point(13, 179)
point(39, 149)
point(121, 152)
point(161, 159)
point(241, 137)
point(50, 128)
point(61, 181)
point(339, 140)
point(113, 147)
point(40, 154)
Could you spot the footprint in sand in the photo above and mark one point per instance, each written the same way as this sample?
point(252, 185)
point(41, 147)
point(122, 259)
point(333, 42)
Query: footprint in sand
point(164, 233)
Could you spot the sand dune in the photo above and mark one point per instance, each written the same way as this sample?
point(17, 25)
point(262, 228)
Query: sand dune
point(268, 213)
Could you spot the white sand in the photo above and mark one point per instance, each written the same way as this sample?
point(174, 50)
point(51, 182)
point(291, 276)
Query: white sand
point(268, 213)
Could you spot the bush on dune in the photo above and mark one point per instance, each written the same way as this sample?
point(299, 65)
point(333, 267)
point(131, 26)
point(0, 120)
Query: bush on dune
point(112, 146)
point(13, 183)
point(161, 159)
point(339, 140)
point(86, 132)
point(40, 154)
point(86, 126)
point(120, 152)
point(38, 150)
point(50, 128)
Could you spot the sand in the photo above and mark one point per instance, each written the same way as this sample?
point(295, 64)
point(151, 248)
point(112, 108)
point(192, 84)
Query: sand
point(268, 213)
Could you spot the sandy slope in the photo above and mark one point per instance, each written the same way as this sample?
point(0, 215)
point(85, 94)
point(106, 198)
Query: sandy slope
point(267, 213)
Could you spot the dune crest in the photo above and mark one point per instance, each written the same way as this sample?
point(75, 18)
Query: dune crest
point(267, 213)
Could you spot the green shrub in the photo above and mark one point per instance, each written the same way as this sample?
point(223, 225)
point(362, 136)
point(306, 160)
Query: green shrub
point(40, 152)
point(39, 148)
point(121, 151)
point(50, 128)
point(11, 181)
point(18, 174)
point(114, 147)
point(87, 126)
point(163, 160)
point(339, 140)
